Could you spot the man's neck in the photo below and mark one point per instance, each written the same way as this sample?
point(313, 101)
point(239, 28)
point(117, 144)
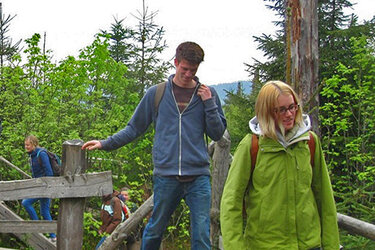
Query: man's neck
point(189, 85)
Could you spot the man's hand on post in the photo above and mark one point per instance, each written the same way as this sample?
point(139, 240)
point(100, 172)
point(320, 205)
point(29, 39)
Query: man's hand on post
point(91, 145)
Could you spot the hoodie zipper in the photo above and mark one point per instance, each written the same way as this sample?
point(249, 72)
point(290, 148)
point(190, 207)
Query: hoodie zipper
point(180, 127)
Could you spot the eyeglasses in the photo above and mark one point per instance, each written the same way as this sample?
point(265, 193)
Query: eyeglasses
point(282, 110)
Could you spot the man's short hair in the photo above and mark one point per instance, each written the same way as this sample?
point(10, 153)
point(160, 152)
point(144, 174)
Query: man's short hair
point(190, 52)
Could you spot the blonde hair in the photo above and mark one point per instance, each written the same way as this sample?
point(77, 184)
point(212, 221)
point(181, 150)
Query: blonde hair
point(266, 102)
point(33, 140)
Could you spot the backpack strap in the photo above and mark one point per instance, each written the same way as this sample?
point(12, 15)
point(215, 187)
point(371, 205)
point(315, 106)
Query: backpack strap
point(160, 88)
point(255, 147)
point(38, 157)
point(253, 154)
point(311, 143)
point(112, 203)
point(254, 151)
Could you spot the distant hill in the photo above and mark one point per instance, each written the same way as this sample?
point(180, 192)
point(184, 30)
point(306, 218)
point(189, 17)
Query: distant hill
point(223, 88)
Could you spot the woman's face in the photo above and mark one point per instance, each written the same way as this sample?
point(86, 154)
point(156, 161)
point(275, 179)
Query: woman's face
point(28, 146)
point(285, 111)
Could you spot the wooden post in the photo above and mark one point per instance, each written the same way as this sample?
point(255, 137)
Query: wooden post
point(70, 218)
point(221, 161)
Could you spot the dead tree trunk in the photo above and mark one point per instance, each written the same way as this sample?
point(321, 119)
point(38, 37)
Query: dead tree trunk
point(303, 54)
point(221, 160)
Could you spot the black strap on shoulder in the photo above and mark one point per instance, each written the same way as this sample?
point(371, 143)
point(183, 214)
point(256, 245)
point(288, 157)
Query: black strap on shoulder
point(160, 88)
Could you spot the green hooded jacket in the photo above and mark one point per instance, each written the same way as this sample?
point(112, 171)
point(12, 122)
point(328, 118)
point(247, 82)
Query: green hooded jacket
point(289, 203)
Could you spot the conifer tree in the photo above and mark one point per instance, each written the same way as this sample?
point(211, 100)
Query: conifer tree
point(139, 49)
point(7, 48)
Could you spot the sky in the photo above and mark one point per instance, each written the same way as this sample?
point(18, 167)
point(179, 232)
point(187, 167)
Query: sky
point(224, 29)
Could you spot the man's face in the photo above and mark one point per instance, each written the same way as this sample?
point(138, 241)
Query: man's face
point(185, 72)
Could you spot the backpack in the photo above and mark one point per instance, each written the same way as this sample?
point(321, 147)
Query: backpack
point(54, 160)
point(124, 208)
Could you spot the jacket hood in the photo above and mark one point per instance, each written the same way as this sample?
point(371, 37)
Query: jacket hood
point(287, 140)
point(108, 197)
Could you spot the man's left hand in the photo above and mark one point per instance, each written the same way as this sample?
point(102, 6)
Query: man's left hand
point(204, 92)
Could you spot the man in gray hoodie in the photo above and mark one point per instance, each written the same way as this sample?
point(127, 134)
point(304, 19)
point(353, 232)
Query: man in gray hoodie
point(187, 111)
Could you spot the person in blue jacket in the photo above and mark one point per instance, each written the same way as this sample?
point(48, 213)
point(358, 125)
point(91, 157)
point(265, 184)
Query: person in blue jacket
point(186, 112)
point(38, 170)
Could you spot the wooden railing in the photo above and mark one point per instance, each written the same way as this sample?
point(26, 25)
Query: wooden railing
point(75, 185)
point(72, 188)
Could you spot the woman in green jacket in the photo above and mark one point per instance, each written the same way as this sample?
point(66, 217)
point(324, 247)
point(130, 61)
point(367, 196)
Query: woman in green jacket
point(289, 204)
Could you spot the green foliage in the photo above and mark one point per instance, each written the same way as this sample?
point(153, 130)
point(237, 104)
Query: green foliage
point(178, 231)
point(77, 99)
point(139, 48)
point(239, 108)
point(91, 227)
point(348, 123)
point(89, 97)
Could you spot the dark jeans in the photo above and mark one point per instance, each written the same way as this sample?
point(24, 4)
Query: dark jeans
point(168, 192)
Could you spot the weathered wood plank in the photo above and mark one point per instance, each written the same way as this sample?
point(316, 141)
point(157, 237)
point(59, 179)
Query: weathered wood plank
point(78, 185)
point(36, 240)
point(32, 226)
point(128, 226)
point(355, 226)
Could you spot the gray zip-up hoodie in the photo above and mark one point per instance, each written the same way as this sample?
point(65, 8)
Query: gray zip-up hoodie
point(179, 147)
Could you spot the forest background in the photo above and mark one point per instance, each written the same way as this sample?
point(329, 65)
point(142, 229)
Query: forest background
point(94, 94)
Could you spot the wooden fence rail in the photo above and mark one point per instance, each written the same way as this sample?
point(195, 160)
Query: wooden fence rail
point(36, 240)
point(355, 226)
point(74, 186)
point(78, 185)
point(17, 226)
